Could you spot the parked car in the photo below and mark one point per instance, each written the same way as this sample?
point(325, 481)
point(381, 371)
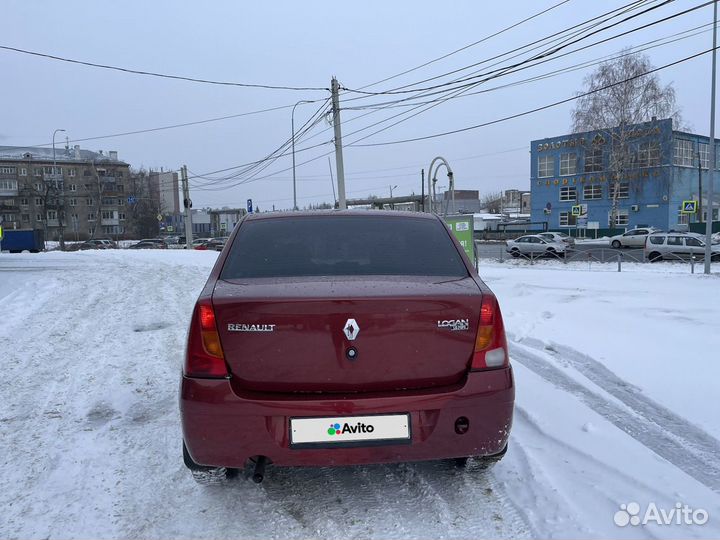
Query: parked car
point(632, 238)
point(150, 243)
point(678, 245)
point(214, 244)
point(568, 240)
point(536, 245)
point(102, 243)
point(343, 338)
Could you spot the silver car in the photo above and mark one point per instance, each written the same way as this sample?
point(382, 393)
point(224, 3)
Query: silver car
point(536, 246)
point(632, 238)
point(568, 240)
point(677, 245)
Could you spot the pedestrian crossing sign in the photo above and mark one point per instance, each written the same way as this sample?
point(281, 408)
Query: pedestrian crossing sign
point(689, 207)
point(577, 210)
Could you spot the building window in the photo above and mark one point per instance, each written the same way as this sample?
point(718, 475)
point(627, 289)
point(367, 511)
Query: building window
point(108, 201)
point(567, 219)
point(546, 166)
point(8, 170)
point(121, 216)
point(72, 187)
point(23, 202)
point(592, 192)
point(89, 201)
point(568, 164)
point(73, 202)
point(568, 193)
point(52, 214)
point(91, 216)
point(37, 171)
point(91, 230)
point(704, 150)
point(23, 171)
point(38, 217)
point(648, 154)
point(8, 184)
point(38, 187)
point(38, 201)
point(623, 190)
point(621, 217)
point(683, 153)
point(121, 201)
point(71, 172)
point(121, 188)
point(594, 160)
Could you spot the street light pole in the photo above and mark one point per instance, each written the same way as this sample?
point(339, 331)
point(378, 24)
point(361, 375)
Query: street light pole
point(60, 210)
point(711, 164)
point(292, 125)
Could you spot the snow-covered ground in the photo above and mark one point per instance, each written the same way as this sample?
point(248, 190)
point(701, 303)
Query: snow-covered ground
point(617, 385)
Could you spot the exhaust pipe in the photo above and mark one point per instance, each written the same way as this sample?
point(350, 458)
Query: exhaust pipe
point(259, 473)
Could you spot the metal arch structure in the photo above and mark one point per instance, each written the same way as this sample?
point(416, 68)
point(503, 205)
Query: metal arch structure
point(432, 178)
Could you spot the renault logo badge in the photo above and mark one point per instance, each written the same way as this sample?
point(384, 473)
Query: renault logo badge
point(351, 329)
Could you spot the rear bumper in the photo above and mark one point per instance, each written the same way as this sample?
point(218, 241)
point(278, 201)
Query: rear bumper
point(221, 428)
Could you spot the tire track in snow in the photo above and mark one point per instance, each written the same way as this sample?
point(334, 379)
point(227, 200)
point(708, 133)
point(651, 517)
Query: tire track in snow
point(702, 443)
point(648, 432)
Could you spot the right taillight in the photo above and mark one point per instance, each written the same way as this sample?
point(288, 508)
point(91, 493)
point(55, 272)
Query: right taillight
point(204, 356)
point(490, 343)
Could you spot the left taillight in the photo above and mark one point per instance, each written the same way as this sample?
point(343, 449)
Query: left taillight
point(204, 356)
point(490, 342)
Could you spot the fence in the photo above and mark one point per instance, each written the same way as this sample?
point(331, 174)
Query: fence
point(602, 256)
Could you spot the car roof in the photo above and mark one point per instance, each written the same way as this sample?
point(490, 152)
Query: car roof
point(396, 214)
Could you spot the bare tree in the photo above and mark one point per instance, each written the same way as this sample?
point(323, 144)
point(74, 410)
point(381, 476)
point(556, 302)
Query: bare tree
point(621, 97)
point(492, 202)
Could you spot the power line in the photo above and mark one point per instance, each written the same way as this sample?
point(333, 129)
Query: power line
point(161, 75)
point(400, 90)
point(537, 109)
point(486, 38)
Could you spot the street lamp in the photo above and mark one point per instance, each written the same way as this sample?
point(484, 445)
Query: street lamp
point(391, 190)
point(432, 179)
point(60, 210)
point(292, 124)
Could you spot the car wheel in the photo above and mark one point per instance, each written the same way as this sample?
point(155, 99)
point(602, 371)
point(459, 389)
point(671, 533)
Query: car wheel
point(551, 252)
point(654, 257)
point(515, 253)
point(484, 461)
point(207, 476)
point(616, 244)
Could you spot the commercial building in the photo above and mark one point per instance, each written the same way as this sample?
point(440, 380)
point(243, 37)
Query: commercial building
point(76, 192)
point(622, 177)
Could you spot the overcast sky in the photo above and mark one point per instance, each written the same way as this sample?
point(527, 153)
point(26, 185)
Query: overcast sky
point(304, 44)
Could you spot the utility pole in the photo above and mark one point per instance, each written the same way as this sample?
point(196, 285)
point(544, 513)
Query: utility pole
point(332, 182)
point(60, 197)
point(711, 164)
point(187, 202)
point(334, 88)
point(422, 189)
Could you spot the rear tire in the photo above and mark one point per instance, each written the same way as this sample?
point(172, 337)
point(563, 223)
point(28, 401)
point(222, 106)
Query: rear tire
point(616, 244)
point(515, 253)
point(485, 462)
point(654, 257)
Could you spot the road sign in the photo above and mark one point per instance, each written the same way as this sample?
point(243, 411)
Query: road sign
point(131, 199)
point(593, 225)
point(689, 207)
point(249, 206)
point(223, 226)
point(548, 206)
point(159, 217)
point(169, 228)
point(577, 210)
point(582, 223)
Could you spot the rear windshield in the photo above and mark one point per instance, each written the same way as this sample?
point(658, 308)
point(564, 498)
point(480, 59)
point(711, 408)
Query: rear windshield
point(342, 246)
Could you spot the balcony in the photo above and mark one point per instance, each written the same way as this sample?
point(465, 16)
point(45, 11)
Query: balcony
point(107, 179)
point(53, 178)
point(53, 223)
point(109, 221)
point(8, 192)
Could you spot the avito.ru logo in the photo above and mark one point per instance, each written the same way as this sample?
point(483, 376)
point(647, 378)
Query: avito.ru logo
point(337, 429)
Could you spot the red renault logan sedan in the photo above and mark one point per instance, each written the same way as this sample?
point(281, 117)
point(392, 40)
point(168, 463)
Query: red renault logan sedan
point(341, 338)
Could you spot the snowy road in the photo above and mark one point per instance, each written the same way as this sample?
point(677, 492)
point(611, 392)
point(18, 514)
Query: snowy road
point(616, 402)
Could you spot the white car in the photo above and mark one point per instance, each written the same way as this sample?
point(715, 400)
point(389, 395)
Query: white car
point(568, 240)
point(632, 238)
point(536, 246)
point(678, 245)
